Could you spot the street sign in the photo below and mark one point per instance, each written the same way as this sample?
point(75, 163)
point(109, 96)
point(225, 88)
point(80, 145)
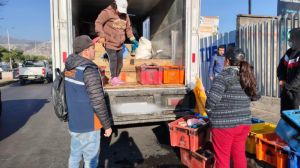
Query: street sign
point(288, 6)
point(209, 26)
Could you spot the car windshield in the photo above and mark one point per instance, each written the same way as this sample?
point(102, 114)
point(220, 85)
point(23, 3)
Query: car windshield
point(34, 64)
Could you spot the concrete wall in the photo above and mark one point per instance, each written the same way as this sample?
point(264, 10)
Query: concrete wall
point(9, 75)
point(165, 17)
point(242, 20)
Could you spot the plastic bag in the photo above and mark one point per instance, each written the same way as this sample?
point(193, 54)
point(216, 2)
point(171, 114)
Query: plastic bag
point(200, 95)
point(125, 52)
point(144, 50)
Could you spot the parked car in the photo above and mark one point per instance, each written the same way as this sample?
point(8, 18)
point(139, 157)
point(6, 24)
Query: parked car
point(0, 104)
point(35, 70)
point(3, 68)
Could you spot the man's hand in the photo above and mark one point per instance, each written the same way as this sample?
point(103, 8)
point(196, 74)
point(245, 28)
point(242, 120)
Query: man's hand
point(211, 78)
point(282, 83)
point(108, 132)
point(102, 41)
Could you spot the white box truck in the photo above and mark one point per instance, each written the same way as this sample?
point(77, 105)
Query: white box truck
point(171, 25)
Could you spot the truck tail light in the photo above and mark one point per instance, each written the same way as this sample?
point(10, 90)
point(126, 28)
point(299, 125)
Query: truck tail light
point(193, 58)
point(43, 71)
point(18, 72)
point(175, 101)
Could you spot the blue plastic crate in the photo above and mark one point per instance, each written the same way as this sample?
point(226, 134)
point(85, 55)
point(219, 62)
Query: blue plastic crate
point(199, 115)
point(288, 128)
point(256, 121)
point(293, 158)
point(293, 115)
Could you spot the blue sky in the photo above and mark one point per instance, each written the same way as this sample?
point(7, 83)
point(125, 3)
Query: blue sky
point(31, 18)
point(228, 9)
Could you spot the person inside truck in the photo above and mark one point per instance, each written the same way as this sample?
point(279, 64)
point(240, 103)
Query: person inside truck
point(111, 26)
point(228, 109)
point(216, 63)
point(288, 74)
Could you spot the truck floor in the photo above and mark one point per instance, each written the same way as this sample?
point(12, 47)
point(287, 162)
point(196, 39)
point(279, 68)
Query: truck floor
point(135, 85)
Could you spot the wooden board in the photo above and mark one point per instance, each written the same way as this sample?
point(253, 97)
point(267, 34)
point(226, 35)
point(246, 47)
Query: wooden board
point(99, 54)
point(134, 85)
point(100, 50)
point(99, 47)
point(130, 76)
point(129, 64)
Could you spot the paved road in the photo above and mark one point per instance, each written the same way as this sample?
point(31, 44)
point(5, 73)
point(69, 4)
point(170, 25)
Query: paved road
point(32, 136)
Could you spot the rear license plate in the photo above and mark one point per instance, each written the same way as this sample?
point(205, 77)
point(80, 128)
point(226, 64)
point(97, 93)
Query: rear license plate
point(31, 77)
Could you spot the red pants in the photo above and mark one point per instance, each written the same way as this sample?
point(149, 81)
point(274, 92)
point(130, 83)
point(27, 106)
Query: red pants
point(232, 142)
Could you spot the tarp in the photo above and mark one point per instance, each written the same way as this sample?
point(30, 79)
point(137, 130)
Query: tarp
point(200, 95)
point(125, 52)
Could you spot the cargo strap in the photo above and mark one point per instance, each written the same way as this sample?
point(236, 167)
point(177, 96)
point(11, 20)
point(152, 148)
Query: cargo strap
point(232, 82)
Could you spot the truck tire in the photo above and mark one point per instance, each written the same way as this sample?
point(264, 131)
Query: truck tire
point(46, 80)
point(22, 82)
point(51, 78)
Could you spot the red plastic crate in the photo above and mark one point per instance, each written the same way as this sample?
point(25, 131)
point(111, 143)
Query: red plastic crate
point(188, 138)
point(102, 73)
point(195, 160)
point(186, 157)
point(149, 75)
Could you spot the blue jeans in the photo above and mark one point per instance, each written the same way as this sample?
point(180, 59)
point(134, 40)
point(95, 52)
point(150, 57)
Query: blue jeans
point(86, 144)
point(216, 74)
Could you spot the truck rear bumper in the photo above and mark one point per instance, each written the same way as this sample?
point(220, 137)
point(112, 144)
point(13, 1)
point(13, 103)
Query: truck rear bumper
point(31, 77)
point(148, 119)
point(130, 106)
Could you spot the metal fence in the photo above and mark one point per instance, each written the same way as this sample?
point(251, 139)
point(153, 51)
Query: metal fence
point(208, 48)
point(265, 43)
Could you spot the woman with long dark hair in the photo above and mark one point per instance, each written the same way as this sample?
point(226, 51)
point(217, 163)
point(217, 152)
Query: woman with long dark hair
point(111, 26)
point(228, 109)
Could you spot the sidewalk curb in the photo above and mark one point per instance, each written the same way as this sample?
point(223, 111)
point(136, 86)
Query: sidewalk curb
point(8, 82)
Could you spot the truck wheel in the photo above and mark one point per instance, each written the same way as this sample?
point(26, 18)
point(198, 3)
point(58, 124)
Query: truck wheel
point(46, 80)
point(22, 82)
point(51, 78)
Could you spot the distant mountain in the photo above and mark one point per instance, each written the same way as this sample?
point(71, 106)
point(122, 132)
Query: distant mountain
point(30, 47)
point(3, 40)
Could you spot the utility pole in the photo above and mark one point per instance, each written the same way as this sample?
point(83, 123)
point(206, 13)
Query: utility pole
point(9, 49)
point(249, 7)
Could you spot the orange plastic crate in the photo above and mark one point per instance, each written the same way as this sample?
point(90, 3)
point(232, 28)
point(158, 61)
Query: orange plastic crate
point(271, 152)
point(173, 74)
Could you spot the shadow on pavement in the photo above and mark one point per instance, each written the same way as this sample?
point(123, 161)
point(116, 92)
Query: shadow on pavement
point(123, 153)
point(16, 113)
point(29, 83)
point(163, 136)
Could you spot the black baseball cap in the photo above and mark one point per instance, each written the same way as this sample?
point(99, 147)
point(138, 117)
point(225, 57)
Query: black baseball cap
point(83, 42)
